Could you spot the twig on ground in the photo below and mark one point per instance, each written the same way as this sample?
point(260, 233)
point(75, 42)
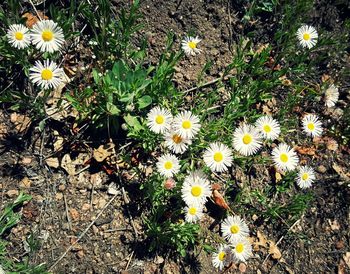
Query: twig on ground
point(36, 11)
point(67, 212)
point(280, 240)
point(83, 233)
point(126, 201)
point(127, 265)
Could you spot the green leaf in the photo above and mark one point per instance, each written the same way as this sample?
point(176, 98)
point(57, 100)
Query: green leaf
point(113, 109)
point(133, 122)
point(144, 101)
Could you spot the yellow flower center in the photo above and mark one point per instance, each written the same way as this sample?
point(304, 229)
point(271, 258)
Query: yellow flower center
point(196, 191)
point(168, 165)
point(239, 248)
point(159, 119)
point(305, 176)
point(306, 36)
point(19, 36)
point(186, 124)
point(46, 74)
point(218, 157)
point(267, 128)
point(177, 139)
point(192, 44)
point(47, 35)
point(247, 139)
point(284, 157)
point(222, 256)
point(192, 211)
point(311, 126)
point(234, 229)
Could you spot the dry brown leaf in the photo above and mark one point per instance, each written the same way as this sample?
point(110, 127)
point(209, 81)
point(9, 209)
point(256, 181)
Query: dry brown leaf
point(74, 214)
point(341, 172)
point(278, 176)
point(21, 122)
point(261, 241)
point(274, 251)
point(52, 162)
point(334, 224)
point(346, 258)
point(306, 150)
point(219, 200)
point(103, 151)
point(68, 165)
point(33, 19)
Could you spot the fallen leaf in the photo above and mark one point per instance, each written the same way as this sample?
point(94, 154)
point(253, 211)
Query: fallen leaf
point(103, 151)
point(242, 267)
point(26, 160)
point(219, 200)
point(274, 251)
point(305, 150)
point(334, 224)
point(346, 258)
point(52, 162)
point(341, 172)
point(33, 19)
point(261, 241)
point(20, 121)
point(25, 183)
point(68, 165)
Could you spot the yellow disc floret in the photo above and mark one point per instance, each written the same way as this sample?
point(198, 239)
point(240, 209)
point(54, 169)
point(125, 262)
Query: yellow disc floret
point(196, 191)
point(247, 139)
point(19, 36)
point(267, 128)
point(192, 211)
point(306, 36)
point(168, 165)
point(222, 256)
point(46, 74)
point(234, 229)
point(47, 35)
point(239, 248)
point(186, 124)
point(159, 119)
point(192, 44)
point(218, 157)
point(284, 157)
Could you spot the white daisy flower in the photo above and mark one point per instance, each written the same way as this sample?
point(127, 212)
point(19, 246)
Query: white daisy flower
point(189, 45)
point(247, 139)
point(195, 189)
point(331, 96)
point(186, 124)
point(284, 157)
point(159, 119)
point(242, 249)
point(176, 143)
point(18, 36)
point(306, 176)
point(194, 213)
point(312, 126)
point(307, 36)
point(47, 36)
point(268, 127)
point(233, 227)
point(168, 165)
point(47, 74)
point(218, 157)
point(221, 257)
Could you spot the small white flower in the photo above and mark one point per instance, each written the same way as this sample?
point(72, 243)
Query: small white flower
point(306, 176)
point(168, 165)
point(284, 157)
point(18, 36)
point(176, 143)
point(242, 249)
point(186, 124)
point(195, 189)
point(47, 36)
point(234, 228)
point(221, 257)
point(218, 157)
point(247, 139)
point(194, 213)
point(312, 126)
point(189, 45)
point(159, 119)
point(331, 96)
point(307, 36)
point(47, 74)
point(268, 127)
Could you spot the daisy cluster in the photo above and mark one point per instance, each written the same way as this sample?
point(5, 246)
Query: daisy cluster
point(45, 36)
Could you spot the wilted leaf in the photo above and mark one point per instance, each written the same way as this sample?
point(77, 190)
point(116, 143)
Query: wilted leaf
point(305, 150)
point(274, 251)
point(341, 172)
point(103, 151)
point(52, 162)
point(67, 164)
point(219, 200)
point(33, 19)
point(21, 122)
point(261, 241)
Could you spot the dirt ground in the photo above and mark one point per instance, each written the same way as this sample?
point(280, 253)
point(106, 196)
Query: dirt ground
point(68, 198)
